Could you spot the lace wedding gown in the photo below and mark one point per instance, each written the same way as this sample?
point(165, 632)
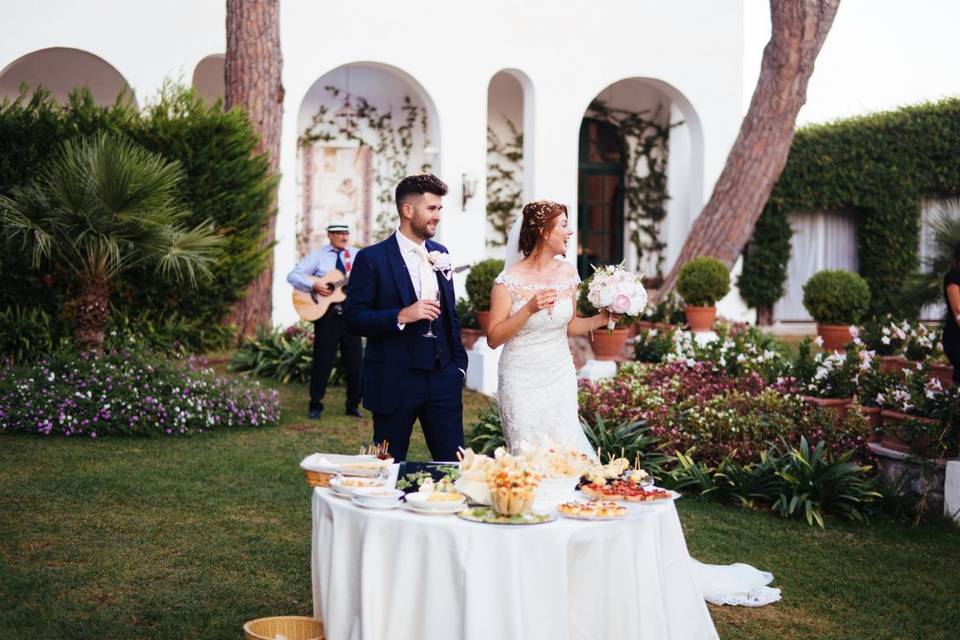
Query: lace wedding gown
point(538, 399)
point(537, 382)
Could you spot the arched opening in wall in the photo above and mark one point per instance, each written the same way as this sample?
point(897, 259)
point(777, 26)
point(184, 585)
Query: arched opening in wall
point(640, 177)
point(208, 78)
point(361, 128)
point(60, 70)
point(509, 134)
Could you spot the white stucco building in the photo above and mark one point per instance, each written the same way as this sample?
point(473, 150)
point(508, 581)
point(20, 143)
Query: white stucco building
point(463, 65)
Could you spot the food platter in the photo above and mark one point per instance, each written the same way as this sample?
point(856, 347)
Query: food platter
point(487, 515)
point(629, 492)
point(592, 510)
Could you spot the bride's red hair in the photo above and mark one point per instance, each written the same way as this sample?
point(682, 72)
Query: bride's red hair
point(538, 219)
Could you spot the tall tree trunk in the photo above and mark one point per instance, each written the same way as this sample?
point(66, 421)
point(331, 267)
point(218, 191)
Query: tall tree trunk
point(253, 81)
point(760, 151)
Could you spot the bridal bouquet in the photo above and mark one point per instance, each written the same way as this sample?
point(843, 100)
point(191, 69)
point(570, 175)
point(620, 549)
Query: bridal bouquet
point(617, 290)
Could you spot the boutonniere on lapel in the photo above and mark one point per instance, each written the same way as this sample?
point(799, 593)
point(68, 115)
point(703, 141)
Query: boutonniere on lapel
point(441, 262)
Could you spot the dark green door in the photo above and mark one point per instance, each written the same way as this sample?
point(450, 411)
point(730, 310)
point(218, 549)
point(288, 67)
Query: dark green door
point(600, 196)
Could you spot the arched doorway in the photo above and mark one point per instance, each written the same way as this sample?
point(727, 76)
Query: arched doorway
point(509, 156)
point(361, 128)
point(60, 70)
point(600, 200)
point(208, 78)
point(641, 169)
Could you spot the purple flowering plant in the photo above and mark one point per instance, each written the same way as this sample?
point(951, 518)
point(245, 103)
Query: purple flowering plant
point(128, 392)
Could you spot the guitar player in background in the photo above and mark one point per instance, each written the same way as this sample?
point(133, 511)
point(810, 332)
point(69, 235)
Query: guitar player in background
point(329, 330)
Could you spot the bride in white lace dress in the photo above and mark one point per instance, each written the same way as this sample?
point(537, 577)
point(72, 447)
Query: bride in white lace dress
point(532, 312)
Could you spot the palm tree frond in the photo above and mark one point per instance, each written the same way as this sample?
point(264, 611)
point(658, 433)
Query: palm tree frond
point(190, 253)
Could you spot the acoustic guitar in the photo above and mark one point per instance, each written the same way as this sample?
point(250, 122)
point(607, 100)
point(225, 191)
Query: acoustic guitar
point(311, 306)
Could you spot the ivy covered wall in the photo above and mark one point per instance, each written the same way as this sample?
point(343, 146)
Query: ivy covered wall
point(879, 167)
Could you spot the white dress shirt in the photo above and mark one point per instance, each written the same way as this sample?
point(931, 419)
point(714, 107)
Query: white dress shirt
point(408, 249)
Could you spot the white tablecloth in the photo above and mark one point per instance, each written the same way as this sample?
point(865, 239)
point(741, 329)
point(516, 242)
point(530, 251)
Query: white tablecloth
point(382, 575)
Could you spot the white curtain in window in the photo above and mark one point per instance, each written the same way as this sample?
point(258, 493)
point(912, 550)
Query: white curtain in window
point(930, 211)
point(821, 240)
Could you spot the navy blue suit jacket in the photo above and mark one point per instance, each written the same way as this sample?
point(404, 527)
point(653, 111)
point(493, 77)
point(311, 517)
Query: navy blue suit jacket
point(379, 288)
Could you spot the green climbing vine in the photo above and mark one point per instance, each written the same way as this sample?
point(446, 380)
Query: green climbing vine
point(504, 181)
point(391, 140)
point(646, 149)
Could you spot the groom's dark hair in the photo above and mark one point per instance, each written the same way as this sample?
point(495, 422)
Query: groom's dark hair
point(417, 186)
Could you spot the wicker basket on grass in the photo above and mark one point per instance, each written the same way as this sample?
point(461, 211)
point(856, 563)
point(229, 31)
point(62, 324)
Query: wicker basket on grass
point(289, 627)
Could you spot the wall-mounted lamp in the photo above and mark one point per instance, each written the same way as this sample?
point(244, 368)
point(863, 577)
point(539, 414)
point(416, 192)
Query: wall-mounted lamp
point(469, 187)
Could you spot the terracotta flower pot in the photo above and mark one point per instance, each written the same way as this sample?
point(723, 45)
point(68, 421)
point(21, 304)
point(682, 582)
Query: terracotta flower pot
point(839, 405)
point(469, 337)
point(874, 422)
point(893, 364)
point(483, 319)
point(701, 319)
point(942, 372)
point(644, 325)
point(609, 346)
point(835, 336)
point(892, 438)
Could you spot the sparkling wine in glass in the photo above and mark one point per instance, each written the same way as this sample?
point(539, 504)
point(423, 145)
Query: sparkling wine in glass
point(430, 333)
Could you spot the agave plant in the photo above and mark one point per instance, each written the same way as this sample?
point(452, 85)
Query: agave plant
point(815, 483)
point(487, 435)
point(101, 206)
point(630, 439)
point(926, 286)
point(284, 355)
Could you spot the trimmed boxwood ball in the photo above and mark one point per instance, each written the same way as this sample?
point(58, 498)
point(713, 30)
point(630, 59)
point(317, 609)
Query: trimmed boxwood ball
point(480, 282)
point(703, 281)
point(836, 297)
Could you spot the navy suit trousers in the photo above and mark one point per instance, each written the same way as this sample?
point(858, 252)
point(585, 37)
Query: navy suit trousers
point(434, 397)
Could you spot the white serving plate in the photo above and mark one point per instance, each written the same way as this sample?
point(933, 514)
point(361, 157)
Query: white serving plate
point(364, 501)
point(338, 487)
point(420, 502)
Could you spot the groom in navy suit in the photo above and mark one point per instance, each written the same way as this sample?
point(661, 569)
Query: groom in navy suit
point(401, 298)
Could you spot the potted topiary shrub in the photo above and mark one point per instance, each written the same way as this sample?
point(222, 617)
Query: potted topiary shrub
point(606, 345)
point(469, 329)
point(702, 282)
point(479, 284)
point(836, 299)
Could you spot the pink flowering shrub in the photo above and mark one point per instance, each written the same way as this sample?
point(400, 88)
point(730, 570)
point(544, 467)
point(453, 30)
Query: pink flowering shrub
point(699, 407)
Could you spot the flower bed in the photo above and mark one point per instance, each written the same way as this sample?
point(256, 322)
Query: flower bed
point(128, 393)
point(699, 406)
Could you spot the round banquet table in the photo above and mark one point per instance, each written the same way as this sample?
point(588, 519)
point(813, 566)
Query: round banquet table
point(395, 574)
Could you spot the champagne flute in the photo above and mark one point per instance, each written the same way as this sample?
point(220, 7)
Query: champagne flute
point(430, 333)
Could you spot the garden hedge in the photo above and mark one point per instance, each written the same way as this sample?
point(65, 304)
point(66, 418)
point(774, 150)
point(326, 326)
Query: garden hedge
point(224, 182)
point(879, 167)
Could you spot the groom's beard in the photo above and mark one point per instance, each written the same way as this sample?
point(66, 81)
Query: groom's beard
point(422, 229)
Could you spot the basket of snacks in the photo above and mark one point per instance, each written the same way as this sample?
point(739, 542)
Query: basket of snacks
point(373, 461)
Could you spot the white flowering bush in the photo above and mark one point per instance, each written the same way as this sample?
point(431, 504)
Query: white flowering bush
point(831, 374)
point(737, 351)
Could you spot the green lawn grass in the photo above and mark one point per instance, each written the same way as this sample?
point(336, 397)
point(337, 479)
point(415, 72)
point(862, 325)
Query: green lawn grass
point(188, 538)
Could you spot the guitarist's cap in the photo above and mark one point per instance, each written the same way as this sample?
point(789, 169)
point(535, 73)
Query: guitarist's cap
point(338, 228)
